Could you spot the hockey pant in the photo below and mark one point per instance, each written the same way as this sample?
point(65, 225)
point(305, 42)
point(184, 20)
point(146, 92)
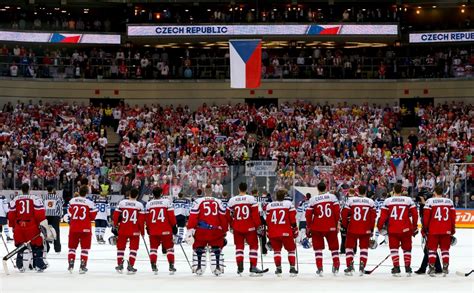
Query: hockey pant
point(397, 240)
point(318, 246)
point(442, 241)
point(252, 240)
point(289, 244)
point(82, 238)
point(351, 241)
point(121, 245)
point(166, 241)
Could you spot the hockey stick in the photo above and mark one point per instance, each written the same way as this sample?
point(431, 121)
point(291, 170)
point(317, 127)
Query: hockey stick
point(296, 255)
point(261, 252)
point(15, 251)
point(371, 271)
point(464, 274)
point(146, 246)
point(186, 256)
point(6, 248)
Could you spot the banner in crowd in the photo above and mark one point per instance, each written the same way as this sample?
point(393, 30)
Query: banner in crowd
point(114, 199)
point(245, 63)
point(464, 218)
point(440, 37)
point(261, 168)
point(11, 194)
point(261, 30)
point(63, 38)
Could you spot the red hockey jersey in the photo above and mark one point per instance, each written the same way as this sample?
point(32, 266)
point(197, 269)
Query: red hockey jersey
point(207, 213)
point(323, 213)
point(358, 215)
point(82, 212)
point(26, 211)
point(400, 214)
point(439, 216)
point(160, 217)
point(243, 214)
point(280, 218)
point(129, 218)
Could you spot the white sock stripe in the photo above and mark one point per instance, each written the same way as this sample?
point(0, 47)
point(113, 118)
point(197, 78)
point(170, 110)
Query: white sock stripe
point(364, 250)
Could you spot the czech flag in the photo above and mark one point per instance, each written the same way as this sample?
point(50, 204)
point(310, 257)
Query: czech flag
point(397, 165)
point(245, 63)
point(65, 38)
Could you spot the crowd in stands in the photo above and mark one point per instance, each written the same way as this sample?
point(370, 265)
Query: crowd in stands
point(292, 62)
point(183, 150)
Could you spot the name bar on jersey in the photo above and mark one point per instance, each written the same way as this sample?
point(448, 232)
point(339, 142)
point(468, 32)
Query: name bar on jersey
point(261, 30)
point(440, 37)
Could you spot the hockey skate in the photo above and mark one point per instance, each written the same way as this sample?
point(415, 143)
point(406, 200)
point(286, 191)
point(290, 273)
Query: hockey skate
point(154, 268)
point(130, 269)
point(172, 269)
point(431, 270)
point(119, 268)
point(278, 271)
point(240, 268)
point(83, 269)
point(349, 270)
point(293, 272)
point(71, 266)
point(361, 268)
point(100, 240)
point(408, 270)
point(319, 272)
point(445, 269)
point(217, 271)
point(396, 271)
point(255, 272)
point(335, 270)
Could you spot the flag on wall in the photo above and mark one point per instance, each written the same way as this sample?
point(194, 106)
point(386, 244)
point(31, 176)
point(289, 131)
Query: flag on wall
point(245, 63)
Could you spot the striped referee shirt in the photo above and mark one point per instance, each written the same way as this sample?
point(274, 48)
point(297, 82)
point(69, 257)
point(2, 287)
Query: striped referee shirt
point(53, 204)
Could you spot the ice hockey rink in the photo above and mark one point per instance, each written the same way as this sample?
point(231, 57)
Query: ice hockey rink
point(103, 278)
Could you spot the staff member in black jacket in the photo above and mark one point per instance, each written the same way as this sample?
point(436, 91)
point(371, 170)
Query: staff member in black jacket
point(53, 204)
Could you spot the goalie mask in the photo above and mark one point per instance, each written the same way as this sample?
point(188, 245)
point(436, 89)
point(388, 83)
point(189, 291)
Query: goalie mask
point(373, 244)
point(113, 240)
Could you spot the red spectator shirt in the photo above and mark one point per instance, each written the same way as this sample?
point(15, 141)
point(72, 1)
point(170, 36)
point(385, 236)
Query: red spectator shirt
point(280, 218)
point(82, 212)
point(400, 214)
point(358, 215)
point(243, 214)
point(439, 216)
point(323, 213)
point(160, 217)
point(129, 218)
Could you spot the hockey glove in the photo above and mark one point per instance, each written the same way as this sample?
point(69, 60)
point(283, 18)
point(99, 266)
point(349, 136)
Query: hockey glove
point(260, 231)
point(114, 231)
point(415, 232)
point(308, 233)
point(189, 239)
point(295, 231)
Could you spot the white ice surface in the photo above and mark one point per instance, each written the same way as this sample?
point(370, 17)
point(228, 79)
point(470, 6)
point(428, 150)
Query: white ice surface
point(103, 278)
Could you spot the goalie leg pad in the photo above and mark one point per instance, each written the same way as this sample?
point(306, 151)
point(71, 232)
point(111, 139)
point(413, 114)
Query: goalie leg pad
point(199, 259)
point(217, 259)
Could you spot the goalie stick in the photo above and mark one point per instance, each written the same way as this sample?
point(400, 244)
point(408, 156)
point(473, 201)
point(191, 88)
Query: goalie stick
point(371, 271)
point(459, 273)
point(15, 251)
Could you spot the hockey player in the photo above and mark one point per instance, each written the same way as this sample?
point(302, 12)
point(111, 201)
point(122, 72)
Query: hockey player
point(401, 216)
point(103, 217)
point(300, 215)
point(322, 219)
point(27, 217)
point(81, 213)
point(128, 219)
point(439, 220)
point(3, 214)
point(244, 219)
point(358, 218)
point(182, 207)
point(282, 230)
point(161, 225)
point(207, 226)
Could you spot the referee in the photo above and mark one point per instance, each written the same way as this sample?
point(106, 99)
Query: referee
point(53, 204)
